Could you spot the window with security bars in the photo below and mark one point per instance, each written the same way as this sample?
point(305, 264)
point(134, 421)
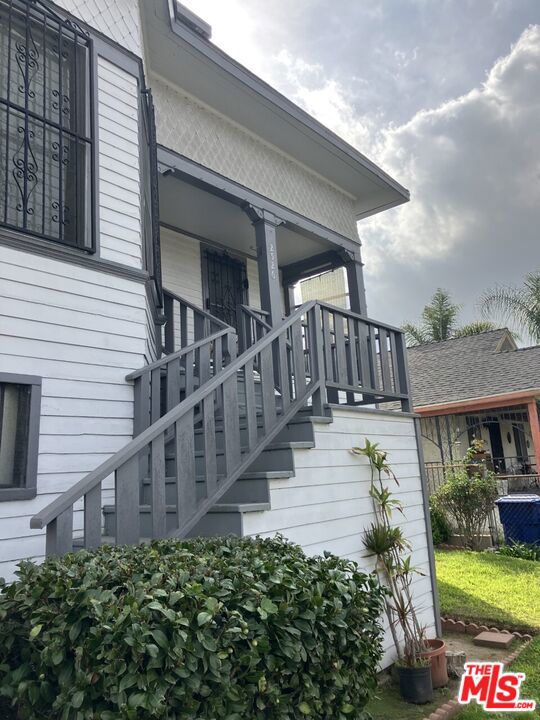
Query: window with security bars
point(45, 124)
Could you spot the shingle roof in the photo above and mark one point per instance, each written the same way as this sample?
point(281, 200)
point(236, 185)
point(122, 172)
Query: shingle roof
point(471, 367)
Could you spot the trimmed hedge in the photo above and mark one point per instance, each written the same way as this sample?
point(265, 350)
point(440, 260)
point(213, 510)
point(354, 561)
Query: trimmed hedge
point(209, 629)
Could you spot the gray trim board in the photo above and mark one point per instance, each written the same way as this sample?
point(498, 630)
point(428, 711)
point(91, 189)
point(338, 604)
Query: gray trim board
point(429, 534)
point(29, 490)
point(212, 182)
point(46, 248)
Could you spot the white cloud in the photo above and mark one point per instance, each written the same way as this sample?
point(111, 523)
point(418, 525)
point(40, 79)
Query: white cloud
point(467, 162)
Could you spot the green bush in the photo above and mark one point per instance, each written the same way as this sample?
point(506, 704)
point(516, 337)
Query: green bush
point(467, 500)
point(440, 527)
point(525, 551)
point(217, 628)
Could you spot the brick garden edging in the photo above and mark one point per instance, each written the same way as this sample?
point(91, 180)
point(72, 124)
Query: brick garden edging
point(451, 708)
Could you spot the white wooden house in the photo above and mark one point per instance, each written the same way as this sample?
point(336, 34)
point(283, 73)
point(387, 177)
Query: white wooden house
point(155, 376)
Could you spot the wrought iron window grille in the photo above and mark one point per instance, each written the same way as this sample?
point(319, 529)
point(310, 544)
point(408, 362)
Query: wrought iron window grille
point(46, 146)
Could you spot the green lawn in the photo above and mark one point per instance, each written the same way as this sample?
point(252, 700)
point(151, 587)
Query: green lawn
point(489, 589)
point(529, 663)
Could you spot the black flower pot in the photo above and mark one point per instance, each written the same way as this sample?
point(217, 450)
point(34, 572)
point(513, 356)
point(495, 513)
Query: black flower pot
point(415, 684)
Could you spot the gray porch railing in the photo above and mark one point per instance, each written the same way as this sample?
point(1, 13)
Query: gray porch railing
point(185, 323)
point(365, 357)
point(198, 443)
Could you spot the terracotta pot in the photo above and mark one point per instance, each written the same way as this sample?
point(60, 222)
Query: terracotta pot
point(437, 656)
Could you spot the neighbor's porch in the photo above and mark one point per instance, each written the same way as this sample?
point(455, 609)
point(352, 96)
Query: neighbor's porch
point(510, 432)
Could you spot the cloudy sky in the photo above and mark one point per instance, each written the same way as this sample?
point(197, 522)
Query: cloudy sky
point(445, 95)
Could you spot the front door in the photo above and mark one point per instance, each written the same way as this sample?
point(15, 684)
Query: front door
point(225, 284)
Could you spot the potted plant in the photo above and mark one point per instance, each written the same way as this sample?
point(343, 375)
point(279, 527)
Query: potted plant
point(477, 458)
point(395, 571)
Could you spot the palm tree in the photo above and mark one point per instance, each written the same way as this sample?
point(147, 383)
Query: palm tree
point(438, 318)
point(518, 305)
point(474, 328)
point(439, 322)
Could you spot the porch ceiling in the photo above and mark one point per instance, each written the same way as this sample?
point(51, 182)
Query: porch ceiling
point(196, 212)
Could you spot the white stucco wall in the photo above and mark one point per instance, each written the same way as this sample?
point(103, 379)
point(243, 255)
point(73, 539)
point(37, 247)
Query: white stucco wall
point(326, 505)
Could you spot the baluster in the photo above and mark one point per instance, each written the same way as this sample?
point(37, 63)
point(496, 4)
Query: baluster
point(217, 354)
point(251, 406)
point(341, 360)
point(210, 449)
point(92, 518)
point(284, 376)
point(142, 403)
point(198, 326)
point(266, 370)
point(365, 375)
point(126, 490)
point(231, 424)
point(394, 362)
point(157, 477)
point(59, 538)
point(298, 358)
point(183, 325)
point(373, 365)
point(327, 341)
point(353, 353)
point(173, 383)
point(385, 364)
point(168, 309)
point(155, 395)
point(190, 381)
point(204, 363)
point(186, 479)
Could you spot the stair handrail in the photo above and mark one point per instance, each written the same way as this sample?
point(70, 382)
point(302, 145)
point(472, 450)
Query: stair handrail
point(166, 359)
point(131, 450)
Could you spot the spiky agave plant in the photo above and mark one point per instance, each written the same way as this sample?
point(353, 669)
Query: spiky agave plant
point(393, 565)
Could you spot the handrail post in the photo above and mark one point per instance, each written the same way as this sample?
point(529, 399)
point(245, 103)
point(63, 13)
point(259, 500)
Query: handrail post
point(316, 341)
point(403, 372)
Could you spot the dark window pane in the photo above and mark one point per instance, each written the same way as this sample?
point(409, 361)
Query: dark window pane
point(14, 429)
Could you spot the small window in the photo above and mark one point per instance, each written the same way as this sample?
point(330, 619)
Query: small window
point(20, 398)
point(45, 124)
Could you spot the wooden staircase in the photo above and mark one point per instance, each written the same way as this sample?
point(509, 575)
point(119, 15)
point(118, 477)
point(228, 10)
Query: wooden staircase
point(212, 429)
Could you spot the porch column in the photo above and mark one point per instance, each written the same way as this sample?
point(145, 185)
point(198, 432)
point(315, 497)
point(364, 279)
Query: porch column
point(357, 290)
point(265, 224)
point(535, 430)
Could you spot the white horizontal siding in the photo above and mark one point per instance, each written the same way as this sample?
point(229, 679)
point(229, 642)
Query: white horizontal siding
point(181, 265)
point(326, 505)
point(81, 331)
point(119, 189)
point(252, 270)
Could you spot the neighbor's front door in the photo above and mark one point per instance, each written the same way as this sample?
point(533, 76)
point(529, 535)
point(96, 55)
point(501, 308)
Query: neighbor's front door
point(225, 284)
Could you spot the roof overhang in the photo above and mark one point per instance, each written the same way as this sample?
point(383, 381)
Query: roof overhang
point(480, 403)
point(188, 60)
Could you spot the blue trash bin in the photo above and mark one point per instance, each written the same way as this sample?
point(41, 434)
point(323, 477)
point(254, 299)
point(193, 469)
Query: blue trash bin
point(520, 518)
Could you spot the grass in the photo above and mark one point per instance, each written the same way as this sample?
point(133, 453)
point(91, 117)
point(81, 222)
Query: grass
point(388, 705)
point(529, 663)
point(489, 589)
